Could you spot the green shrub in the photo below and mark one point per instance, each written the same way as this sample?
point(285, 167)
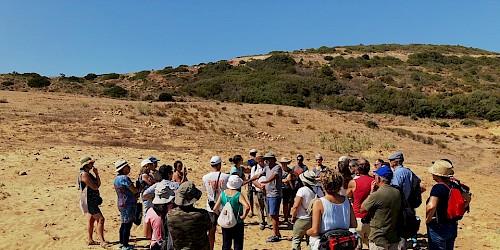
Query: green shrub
point(469, 123)
point(176, 121)
point(140, 75)
point(110, 76)
point(90, 76)
point(165, 97)
point(116, 92)
point(371, 124)
point(39, 82)
point(7, 83)
point(328, 58)
point(444, 124)
point(493, 115)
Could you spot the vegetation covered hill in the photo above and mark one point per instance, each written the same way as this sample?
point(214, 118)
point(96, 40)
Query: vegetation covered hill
point(413, 80)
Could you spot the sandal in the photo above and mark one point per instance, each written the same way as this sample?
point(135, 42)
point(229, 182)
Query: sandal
point(92, 243)
point(106, 244)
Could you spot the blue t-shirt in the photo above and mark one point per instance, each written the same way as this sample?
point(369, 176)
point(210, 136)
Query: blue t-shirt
point(125, 196)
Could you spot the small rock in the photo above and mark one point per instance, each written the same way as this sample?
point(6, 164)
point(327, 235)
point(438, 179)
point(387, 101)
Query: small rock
point(65, 158)
point(23, 173)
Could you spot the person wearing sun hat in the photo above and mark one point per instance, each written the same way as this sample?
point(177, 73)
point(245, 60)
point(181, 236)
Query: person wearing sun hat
point(127, 194)
point(188, 225)
point(241, 207)
point(92, 183)
point(441, 231)
point(145, 180)
point(306, 193)
point(384, 204)
point(274, 193)
point(153, 221)
point(154, 169)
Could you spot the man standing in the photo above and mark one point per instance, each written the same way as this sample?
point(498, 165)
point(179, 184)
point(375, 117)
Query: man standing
point(258, 174)
point(383, 205)
point(213, 183)
point(299, 169)
point(189, 225)
point(404, 179)
point(251, 163)
point(319, 168)
point(358, 190)
point(274, 193)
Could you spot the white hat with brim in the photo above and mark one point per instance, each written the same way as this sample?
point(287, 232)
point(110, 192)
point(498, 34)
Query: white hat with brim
point(308, 177)
point(285, 160)
point(120, 164)
point(145, 162)
point(234, 182)
point(441, 168)
point(163, 193)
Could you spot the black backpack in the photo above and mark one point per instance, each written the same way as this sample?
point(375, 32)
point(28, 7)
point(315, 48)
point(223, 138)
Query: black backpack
point(337, 239)
point(415, 198)
point(407, 224)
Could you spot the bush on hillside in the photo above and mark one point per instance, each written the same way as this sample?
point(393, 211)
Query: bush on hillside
point(116, 92)
point(140, 75)
point(371, 124)
point(165, 97)
point(110, 76)
point(493, 115)
point(90, 76)
point(328, 58)
point(39, 82)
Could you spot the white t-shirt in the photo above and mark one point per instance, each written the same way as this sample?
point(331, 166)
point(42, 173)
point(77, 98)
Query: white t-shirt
point(209, 181)
point(257, 169)
point(307, 196)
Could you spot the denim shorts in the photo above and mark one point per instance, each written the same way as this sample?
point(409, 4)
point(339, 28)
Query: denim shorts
point(273, 205)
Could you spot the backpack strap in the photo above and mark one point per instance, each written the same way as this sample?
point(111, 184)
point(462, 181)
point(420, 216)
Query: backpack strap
point(216, 186)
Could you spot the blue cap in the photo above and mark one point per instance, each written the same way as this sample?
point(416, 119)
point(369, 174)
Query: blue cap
point(385, 172)
point(153, 159)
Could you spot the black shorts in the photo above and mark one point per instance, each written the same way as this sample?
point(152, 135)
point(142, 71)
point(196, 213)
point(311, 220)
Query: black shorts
point(288, 196)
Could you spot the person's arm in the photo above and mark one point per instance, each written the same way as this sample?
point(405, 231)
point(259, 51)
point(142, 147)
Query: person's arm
point(149, 193)
point(273, 176)
point(133, 189)
point(368, 204)
point(217, 204)
point(96, 172)
point(296, 203)
point(184, 175)
point(246, 206)
point(146, 178)
point(86, 179)
point(350, 189)
point(430, 208)
point(316, 218)
point(148, 230)
point(353, 223)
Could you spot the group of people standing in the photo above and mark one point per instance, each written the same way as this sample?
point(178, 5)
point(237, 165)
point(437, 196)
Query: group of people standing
point(349, 196)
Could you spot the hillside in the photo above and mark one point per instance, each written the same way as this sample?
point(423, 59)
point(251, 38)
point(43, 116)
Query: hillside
point(45, 135)
point(415, 80)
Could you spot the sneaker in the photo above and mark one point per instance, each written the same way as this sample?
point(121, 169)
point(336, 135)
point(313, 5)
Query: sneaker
point(119, 247)
point(273, 238)
point(128, 248)
point(262, 226)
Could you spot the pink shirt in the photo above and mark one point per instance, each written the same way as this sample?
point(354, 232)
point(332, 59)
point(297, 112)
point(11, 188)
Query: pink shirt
point(155, 221)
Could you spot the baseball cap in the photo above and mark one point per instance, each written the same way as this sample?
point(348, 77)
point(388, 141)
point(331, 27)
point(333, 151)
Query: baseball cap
point(215, 160)
point(385, 172)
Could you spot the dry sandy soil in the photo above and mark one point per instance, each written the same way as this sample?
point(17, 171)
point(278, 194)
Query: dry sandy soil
point(45, 135)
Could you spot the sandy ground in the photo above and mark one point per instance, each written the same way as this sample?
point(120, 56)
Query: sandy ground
point(45, 135)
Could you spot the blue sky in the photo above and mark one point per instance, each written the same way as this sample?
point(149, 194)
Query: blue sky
point(102, 36)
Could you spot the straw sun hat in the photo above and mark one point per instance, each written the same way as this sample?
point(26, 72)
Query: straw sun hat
point(441, 168)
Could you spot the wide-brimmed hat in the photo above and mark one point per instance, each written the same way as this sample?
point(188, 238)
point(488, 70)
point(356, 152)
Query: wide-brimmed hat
point(343, 158)
point(145, 162)
point(253, 151)
point(86, 160)
point(308, 177)
point(120, 164)
point(163, 193)
point(215, 160)
point(441, 168)
point(234, 182)
point(285, 160)
point(187, 194)
point(269, 155)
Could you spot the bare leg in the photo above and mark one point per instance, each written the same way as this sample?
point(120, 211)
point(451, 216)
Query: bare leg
point(286, 210)
point(211, 237)
point(275, 222)
point(90, 229)
point(100, 226)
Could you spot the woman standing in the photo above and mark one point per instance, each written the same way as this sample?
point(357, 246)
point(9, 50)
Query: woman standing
point(238, 169)
point(441, 231)
point(145, 181)
point(86, 179)
point(333, 211)
point(180, 173)
point(288, 185)
point(240, 207)
point(127, 201)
